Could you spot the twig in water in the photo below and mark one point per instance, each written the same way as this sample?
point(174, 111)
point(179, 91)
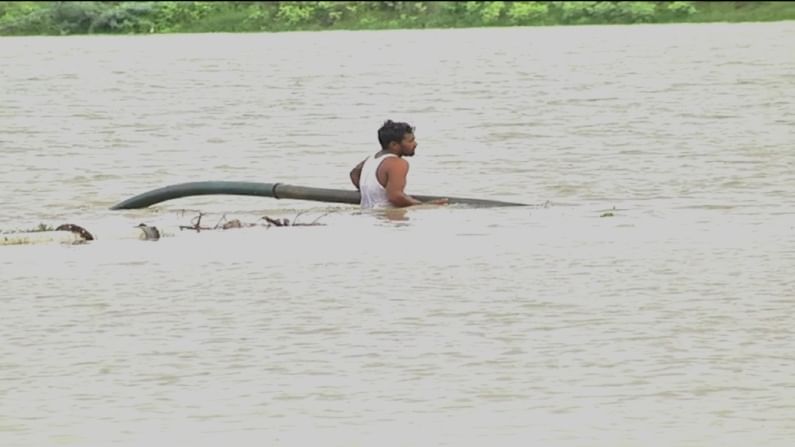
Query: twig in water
point(275, 222)
point(319, 217)
point(223, 218)
point(295, 219)
point(196, 221)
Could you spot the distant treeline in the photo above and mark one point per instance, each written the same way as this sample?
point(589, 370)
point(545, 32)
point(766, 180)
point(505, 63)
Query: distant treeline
point(63, 18)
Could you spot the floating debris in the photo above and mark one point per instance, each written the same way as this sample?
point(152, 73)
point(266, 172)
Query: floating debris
point(82, 232)
point(41, 237)
point(608, 213)
point(63, 234)
point(237, 223)
point(71, 234)
point(148, 233)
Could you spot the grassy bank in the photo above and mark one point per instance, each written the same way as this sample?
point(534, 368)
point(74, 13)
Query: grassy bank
point(64, 18)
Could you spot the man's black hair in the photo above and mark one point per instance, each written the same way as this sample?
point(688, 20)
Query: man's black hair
point(392, 131)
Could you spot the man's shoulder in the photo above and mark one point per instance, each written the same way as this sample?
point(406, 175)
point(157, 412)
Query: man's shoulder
point(393, 159)
point(395, 164)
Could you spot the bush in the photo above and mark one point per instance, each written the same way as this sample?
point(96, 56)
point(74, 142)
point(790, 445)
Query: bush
point(572, 12)
point(526, 12)
point(636, 11)
point(75, 17)
point(327, 13)
point(39, 18)
point(24, 17)
point(608, 12)
point(231, 20)
point(491, 12)
point(294, 13)
point(170, 16)
point(257, 18)
point(681, 9)
point(127, 17)
point(605, 11)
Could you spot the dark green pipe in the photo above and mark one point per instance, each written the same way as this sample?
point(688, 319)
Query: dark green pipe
point(275, 190)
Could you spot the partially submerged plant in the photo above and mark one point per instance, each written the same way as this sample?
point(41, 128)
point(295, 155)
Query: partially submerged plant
point(286, 222)
point(236, 223)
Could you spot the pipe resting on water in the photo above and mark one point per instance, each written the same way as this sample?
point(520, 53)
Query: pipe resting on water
point(276, 191)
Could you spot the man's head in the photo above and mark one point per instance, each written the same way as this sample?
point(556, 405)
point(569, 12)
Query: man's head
point(397, 138)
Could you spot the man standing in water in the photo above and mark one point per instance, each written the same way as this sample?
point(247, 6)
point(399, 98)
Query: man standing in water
point(381, 178)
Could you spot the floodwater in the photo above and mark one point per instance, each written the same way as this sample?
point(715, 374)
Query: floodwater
point(645, 297)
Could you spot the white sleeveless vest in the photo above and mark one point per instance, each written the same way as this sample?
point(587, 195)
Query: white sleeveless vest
point(373, 194)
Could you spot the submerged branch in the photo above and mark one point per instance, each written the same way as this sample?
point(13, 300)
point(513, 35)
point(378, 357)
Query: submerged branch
point(225, 224)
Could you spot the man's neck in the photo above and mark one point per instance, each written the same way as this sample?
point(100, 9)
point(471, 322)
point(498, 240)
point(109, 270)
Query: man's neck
point(386, 151)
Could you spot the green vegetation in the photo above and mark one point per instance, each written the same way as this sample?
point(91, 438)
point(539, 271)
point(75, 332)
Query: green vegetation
point(64, 18)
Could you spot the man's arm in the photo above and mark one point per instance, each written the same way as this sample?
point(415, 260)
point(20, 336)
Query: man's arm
point(356, 173)
point(396, 171)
